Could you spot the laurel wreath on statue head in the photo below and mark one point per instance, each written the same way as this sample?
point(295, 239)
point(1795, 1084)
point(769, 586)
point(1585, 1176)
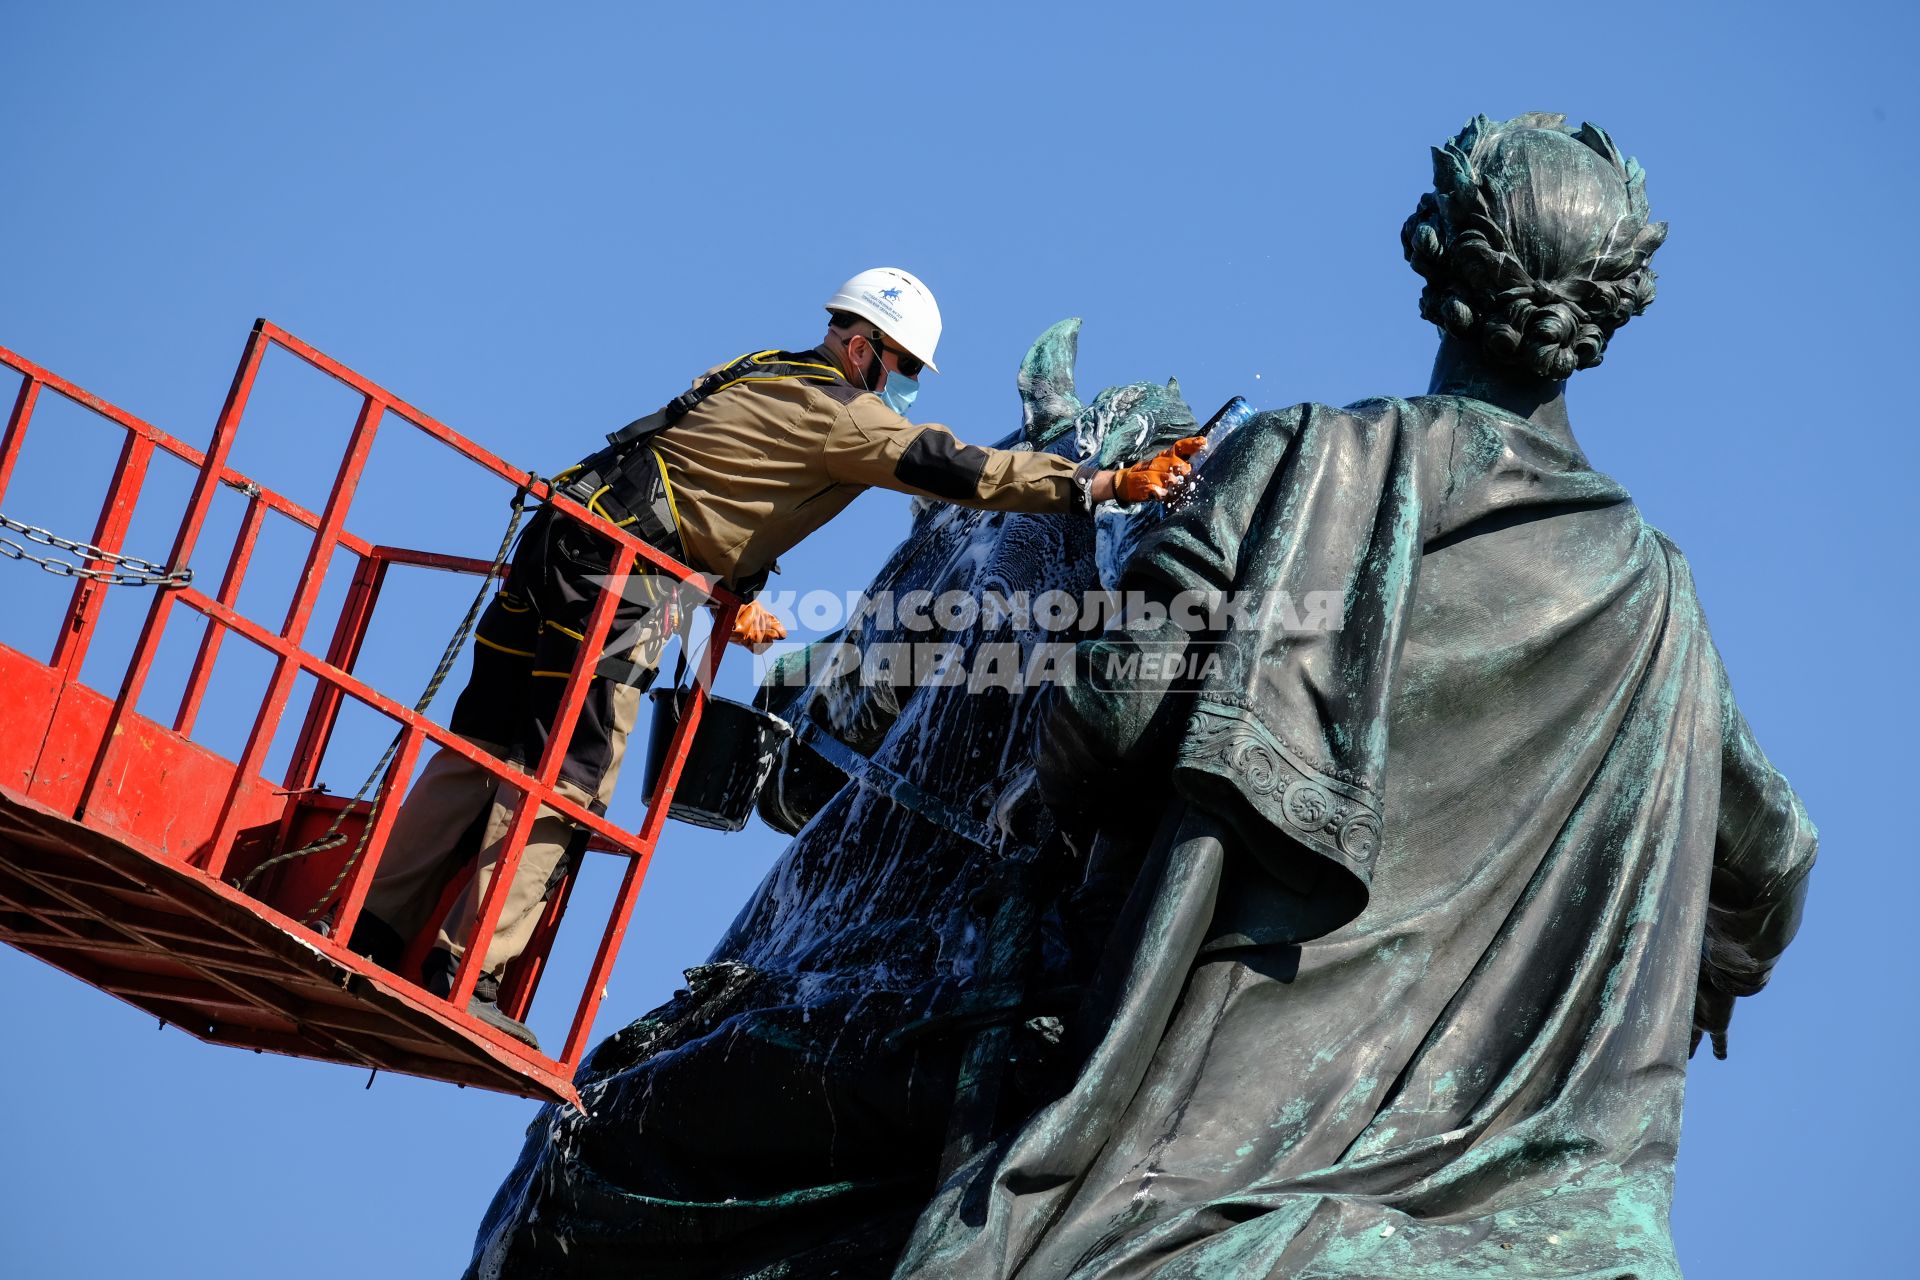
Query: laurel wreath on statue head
point(1479, 290)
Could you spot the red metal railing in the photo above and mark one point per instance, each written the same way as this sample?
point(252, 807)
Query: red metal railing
point(106, 773)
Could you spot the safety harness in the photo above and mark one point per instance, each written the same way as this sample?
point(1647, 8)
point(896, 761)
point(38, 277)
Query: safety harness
point(626, 481)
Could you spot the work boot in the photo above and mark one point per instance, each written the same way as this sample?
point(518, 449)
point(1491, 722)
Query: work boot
point(490, 1012)
point(437, 973)
point(377, 940)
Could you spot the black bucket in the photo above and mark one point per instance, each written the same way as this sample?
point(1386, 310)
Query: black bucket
point(735, 748)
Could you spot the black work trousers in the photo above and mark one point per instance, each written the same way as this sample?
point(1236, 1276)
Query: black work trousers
point(528, 638)
point(524, 651)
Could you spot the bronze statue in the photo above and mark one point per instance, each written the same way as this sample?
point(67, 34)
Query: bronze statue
point(1372, 942)
point(791, 1108)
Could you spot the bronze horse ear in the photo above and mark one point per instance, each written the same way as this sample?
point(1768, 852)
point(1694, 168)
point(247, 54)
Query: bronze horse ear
point(1048, 401)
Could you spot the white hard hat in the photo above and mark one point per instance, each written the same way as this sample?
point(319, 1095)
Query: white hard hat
point(898, 303)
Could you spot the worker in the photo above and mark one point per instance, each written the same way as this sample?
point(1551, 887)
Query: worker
point(734, 472)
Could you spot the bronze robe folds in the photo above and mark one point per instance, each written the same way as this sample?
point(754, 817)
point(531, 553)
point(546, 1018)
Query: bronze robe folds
point(1406, 981)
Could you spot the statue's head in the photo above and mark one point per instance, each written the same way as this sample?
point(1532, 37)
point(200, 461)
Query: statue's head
point(1534, 243)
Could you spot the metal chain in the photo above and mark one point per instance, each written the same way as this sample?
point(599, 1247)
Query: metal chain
point(128, 571)
point(332, 838)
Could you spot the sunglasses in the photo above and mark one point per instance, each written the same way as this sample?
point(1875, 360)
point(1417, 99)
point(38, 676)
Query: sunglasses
point(910, 365)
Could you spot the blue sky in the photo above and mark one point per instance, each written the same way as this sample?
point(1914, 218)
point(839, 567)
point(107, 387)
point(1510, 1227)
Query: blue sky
point(536, 223)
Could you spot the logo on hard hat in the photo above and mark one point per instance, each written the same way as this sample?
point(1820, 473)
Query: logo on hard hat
point(889, 294)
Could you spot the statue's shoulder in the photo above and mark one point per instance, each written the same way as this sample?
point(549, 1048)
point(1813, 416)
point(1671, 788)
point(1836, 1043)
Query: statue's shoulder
point(1375, 417)
point(1263, 441)
point(1382, 413)
point(1677, 563)
point(1309, 414)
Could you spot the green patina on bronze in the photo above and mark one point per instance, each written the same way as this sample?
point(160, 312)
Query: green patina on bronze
point(1410, 973)
point(1403, 979)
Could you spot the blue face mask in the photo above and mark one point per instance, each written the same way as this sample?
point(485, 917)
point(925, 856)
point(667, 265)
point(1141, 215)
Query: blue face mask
point(898, 392)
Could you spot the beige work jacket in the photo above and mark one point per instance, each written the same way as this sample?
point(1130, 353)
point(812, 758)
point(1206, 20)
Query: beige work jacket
point(756, 468)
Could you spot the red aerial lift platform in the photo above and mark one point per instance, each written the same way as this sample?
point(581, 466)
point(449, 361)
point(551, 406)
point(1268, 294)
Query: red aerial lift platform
point(123, 842)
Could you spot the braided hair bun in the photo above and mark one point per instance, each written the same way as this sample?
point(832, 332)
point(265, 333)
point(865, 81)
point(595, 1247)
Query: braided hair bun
point(1534, 242)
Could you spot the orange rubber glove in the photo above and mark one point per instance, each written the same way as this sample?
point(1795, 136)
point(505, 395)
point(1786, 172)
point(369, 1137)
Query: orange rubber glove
point(756, 628)
point(1158, 475)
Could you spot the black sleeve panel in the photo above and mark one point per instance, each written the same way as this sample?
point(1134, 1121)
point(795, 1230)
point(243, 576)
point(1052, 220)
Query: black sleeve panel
point(941, 465)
